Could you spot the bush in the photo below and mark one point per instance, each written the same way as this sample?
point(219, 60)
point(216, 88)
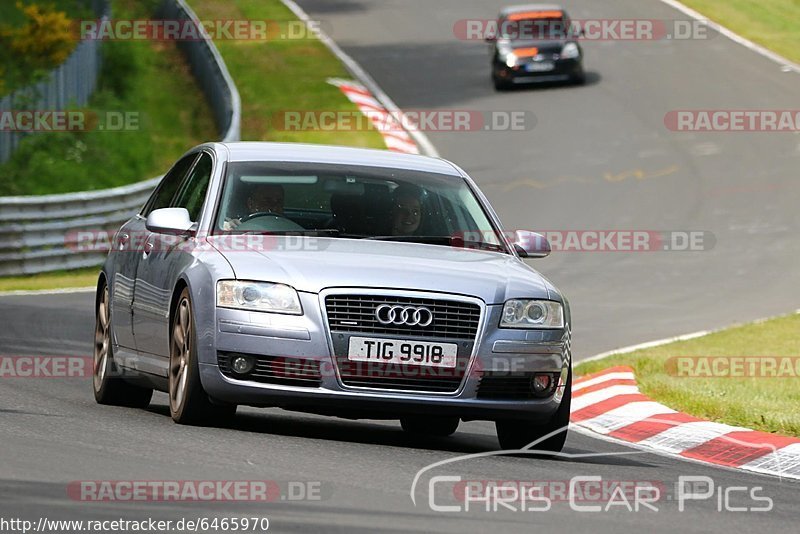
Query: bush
point(29, 51)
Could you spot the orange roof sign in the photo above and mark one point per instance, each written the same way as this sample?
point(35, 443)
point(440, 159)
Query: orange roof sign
point(533, 15)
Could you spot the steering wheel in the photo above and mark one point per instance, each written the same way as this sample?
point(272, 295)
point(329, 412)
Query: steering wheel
point(268, 221)
point(263, 214)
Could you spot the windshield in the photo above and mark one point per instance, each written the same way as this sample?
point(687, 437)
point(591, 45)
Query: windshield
point(352, 202)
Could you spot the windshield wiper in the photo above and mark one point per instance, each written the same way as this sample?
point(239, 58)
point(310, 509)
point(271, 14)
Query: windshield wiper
point(315, 232)
point(431, 239)
point(452, 241)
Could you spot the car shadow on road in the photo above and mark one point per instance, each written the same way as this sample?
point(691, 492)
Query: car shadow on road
point(273, 421)
point(592, 78)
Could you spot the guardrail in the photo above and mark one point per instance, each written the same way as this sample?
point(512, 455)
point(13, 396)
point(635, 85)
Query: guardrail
point(35, 231)
point(71, 83)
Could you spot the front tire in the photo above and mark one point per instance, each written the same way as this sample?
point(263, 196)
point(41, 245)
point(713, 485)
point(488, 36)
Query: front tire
point(517, 434)
point(499, 84)
point(189, 404)
point(430, 425)
point(108, 387)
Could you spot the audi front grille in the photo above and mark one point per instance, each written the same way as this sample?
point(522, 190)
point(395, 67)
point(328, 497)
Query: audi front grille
point(356, 313)
point(451, 321)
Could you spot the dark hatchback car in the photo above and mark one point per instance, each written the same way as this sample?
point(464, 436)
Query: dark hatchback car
point(535, 43)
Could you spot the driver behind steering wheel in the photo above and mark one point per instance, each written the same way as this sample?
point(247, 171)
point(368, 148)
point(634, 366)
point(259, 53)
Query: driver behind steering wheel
point(264, 198)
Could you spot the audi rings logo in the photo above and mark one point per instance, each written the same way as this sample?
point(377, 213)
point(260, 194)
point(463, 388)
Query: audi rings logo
point(407, 315)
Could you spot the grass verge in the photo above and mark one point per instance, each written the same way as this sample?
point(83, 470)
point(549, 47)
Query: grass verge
point(150, 80)
point(774, 24)
point(276, 75)
point(55, 280)
point(767, 403)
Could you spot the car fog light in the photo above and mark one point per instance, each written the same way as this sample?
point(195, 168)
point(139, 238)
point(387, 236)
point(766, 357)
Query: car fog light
point(242, 365)
point(541, 383)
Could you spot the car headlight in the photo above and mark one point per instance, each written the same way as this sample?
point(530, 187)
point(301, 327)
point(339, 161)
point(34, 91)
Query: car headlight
point(570, 51)
point(258, 296)
point(532, 314)
point(511, 61)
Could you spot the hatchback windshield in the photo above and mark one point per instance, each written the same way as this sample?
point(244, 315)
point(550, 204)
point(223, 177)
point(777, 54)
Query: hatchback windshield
point(352, 202)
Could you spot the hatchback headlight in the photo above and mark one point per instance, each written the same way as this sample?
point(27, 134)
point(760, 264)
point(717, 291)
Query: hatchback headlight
point(258, 296)
point(570, 51)
point(532, 314)
point(511, 61)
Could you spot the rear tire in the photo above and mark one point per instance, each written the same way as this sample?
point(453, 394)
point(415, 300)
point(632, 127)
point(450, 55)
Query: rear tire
point(517, 434)
point(430, 425)
point(109, 388)
point(189, 404)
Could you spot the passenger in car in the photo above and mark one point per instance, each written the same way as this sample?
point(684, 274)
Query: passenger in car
point(407, 210)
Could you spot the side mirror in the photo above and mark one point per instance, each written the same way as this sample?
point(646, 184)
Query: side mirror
point(169, 221)
point(531, 245)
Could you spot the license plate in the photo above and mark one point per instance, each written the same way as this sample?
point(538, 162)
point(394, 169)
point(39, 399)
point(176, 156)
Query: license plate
point(404, 352)
point(543, 66)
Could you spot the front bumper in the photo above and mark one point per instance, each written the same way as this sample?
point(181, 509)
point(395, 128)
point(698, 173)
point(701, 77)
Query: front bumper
point(305, 338)
point(563, 69)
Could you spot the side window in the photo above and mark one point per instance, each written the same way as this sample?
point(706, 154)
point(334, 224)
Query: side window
point(165, 191)
point(193, 191)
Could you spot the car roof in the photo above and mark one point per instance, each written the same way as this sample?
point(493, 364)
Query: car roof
point(530, 7)
point(298, 152)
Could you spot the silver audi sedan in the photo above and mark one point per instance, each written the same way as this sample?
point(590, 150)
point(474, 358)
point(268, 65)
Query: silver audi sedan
point(338, 281)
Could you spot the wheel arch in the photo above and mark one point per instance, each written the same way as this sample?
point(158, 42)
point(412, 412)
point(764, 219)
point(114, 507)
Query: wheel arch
point(102, 280)
point(180, 285)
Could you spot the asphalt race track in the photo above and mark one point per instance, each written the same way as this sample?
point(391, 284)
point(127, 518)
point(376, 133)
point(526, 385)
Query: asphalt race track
point(598, 158)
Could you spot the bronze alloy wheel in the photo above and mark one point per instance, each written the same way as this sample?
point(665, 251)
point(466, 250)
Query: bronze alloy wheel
point(108, 385)
point(188, 402)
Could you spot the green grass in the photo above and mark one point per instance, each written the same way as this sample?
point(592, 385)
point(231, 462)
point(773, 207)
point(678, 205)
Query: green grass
point(768, 404)
point(774, 24)
point(276, 75)
point(151, 79)
point(54, 280)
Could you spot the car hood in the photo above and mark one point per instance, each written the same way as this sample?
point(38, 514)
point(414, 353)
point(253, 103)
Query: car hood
point(314, 264)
